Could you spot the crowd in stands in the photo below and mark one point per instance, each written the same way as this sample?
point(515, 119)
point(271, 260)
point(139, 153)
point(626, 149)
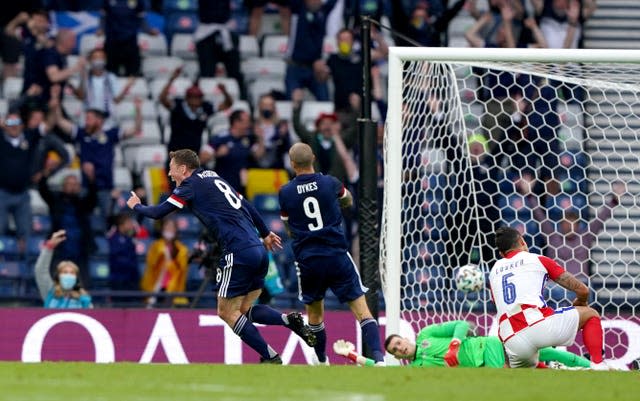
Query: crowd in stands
point(89, 118)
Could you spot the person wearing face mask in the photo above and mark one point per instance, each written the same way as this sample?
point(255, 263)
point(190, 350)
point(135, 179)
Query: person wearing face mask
point(64, 290)
point(99, 88)
point(346, 71)
point(167, 266)
point(274, 133)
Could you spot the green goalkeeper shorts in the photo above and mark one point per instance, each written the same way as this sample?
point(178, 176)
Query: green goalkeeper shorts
point(493, 353)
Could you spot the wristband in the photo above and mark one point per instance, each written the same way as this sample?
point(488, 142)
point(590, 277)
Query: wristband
point(353, 356)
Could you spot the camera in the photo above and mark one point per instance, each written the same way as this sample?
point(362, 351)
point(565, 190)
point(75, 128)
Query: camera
point(207, 252)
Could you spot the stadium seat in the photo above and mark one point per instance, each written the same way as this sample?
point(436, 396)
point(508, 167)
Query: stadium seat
point(138, 90)
point(10, 278)
point(136, 158)
point(125, 111)
point(122, 179)
point(38, 205)
point(274, 223)
point(212, 93)
point(275, 46)
point(329, 46)
point(35, 244)
point(188, 224)
point(160, 66)
point(266, 203)
point(182, 46)
point(4, 106)
point(312, 109)
point(117, 156)
point(55, 181)
point(260, 87)
point(249, 47)
point(261, 68)
point(142, 246)
point(90, 41)
point(98, 224)
point(179, 22)
point(8, 246)
point(179, 5)
point(284, 109)
point(41, 223)
point(152, 45)
point(177, 89)
point(98, 270)
point(150, 133)
point(12, 87)
point(102, 246)
point(191, 69)
point(74, 109)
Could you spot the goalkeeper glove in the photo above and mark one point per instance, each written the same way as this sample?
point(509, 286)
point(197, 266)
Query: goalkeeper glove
point(451, 357)
point(348, 350)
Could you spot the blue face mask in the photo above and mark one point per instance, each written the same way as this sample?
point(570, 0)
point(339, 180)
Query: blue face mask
point(67, 281)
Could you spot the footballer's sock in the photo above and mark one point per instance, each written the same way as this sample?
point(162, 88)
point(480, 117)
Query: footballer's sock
point(371, 337)
point(251, 336)
point(321, 340)
point(264, 314)
point(566, 358)
point(592, 337)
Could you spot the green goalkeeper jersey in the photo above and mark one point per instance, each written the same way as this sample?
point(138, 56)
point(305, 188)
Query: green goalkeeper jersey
point(432, 343)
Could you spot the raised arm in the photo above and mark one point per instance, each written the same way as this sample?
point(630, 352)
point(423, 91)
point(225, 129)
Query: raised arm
point(164, 94)
point(43, 276)
point(305, 135)
point(12, 26)
point(137, 127)
point(473, 34)
point(153, 212)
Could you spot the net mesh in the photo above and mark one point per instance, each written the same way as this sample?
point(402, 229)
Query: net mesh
point(550, 149)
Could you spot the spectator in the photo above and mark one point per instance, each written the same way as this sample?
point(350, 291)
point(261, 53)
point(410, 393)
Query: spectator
point(120, 22)
point(234, 152)
point(17, 152)
point(215, 42)
point(123, 260)
point(328, 161)
point(33, 32)
point(354, 9)
point(65, 290)
point(346, 71)
point(424, 21)
point(97, 149)
point(54, 64)
point(305, 68)
point(9, 45)
point(70, 211)
point(167, 265)
point(273, 132)
point(256, 9)
point(99, 88)
point(189, 115)
point(561, 21)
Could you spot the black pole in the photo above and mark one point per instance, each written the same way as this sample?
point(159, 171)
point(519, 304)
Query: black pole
point(367, 185)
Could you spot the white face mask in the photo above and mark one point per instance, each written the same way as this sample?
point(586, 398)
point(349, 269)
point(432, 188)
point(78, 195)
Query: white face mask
point(168, 235)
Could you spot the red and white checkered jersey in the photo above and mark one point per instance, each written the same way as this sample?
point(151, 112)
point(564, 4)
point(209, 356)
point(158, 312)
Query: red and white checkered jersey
point(517, 282)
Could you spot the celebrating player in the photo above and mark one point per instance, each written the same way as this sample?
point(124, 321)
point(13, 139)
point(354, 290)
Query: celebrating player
point(526, 324)
point(309, 206)
point(447, 344)
point(244, 263)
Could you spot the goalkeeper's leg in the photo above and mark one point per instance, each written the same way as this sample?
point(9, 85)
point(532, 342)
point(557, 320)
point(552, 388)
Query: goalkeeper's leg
point(566, 358)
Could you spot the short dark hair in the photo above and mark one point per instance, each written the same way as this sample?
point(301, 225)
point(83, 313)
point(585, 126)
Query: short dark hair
point(185, 157)
point(236, 116)
point(122, 218)
point(388, 341)
point(507, 239)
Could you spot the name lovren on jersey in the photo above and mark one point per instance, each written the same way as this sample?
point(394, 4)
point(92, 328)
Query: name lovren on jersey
point(510, 266)
point(207, 174)
point(304, 188)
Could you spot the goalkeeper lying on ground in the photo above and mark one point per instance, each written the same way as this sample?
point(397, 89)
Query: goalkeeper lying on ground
point(447, 344)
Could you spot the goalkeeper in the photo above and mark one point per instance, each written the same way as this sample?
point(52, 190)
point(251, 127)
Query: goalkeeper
point(447, 344)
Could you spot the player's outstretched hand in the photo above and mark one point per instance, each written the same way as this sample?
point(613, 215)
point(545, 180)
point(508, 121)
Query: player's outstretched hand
point(272, 241)
point(133, 200)
point(343, 347)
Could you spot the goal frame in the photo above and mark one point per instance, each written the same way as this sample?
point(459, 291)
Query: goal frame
point(392, 258)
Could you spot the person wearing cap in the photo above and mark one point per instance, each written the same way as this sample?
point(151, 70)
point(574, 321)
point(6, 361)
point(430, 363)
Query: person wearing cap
point(321, 140)
point(17, 150)
point(189, 115)
point(97, 148)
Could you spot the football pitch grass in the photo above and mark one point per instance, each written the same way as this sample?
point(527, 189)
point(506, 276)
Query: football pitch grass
point(53, 381)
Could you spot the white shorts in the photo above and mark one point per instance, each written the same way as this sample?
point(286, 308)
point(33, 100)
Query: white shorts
point(555, 330)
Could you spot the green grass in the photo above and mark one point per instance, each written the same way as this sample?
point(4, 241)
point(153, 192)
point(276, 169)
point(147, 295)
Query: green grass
point(133, 382)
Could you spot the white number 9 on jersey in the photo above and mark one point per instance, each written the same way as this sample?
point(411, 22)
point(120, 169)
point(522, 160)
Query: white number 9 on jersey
point(312, 210)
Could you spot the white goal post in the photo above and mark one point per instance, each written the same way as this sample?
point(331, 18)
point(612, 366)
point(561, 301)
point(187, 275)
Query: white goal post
point(531, 138)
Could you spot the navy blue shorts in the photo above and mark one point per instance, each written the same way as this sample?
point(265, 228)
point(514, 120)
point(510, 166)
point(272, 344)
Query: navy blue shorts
point(239, 273)
point(317, 274)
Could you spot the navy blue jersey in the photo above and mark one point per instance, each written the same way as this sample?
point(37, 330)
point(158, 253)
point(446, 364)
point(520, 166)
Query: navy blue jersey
point(219, 208)
point(99, 150)
point(309, 203)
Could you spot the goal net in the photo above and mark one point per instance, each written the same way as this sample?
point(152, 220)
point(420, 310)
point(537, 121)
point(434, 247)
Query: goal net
point(546, 141)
